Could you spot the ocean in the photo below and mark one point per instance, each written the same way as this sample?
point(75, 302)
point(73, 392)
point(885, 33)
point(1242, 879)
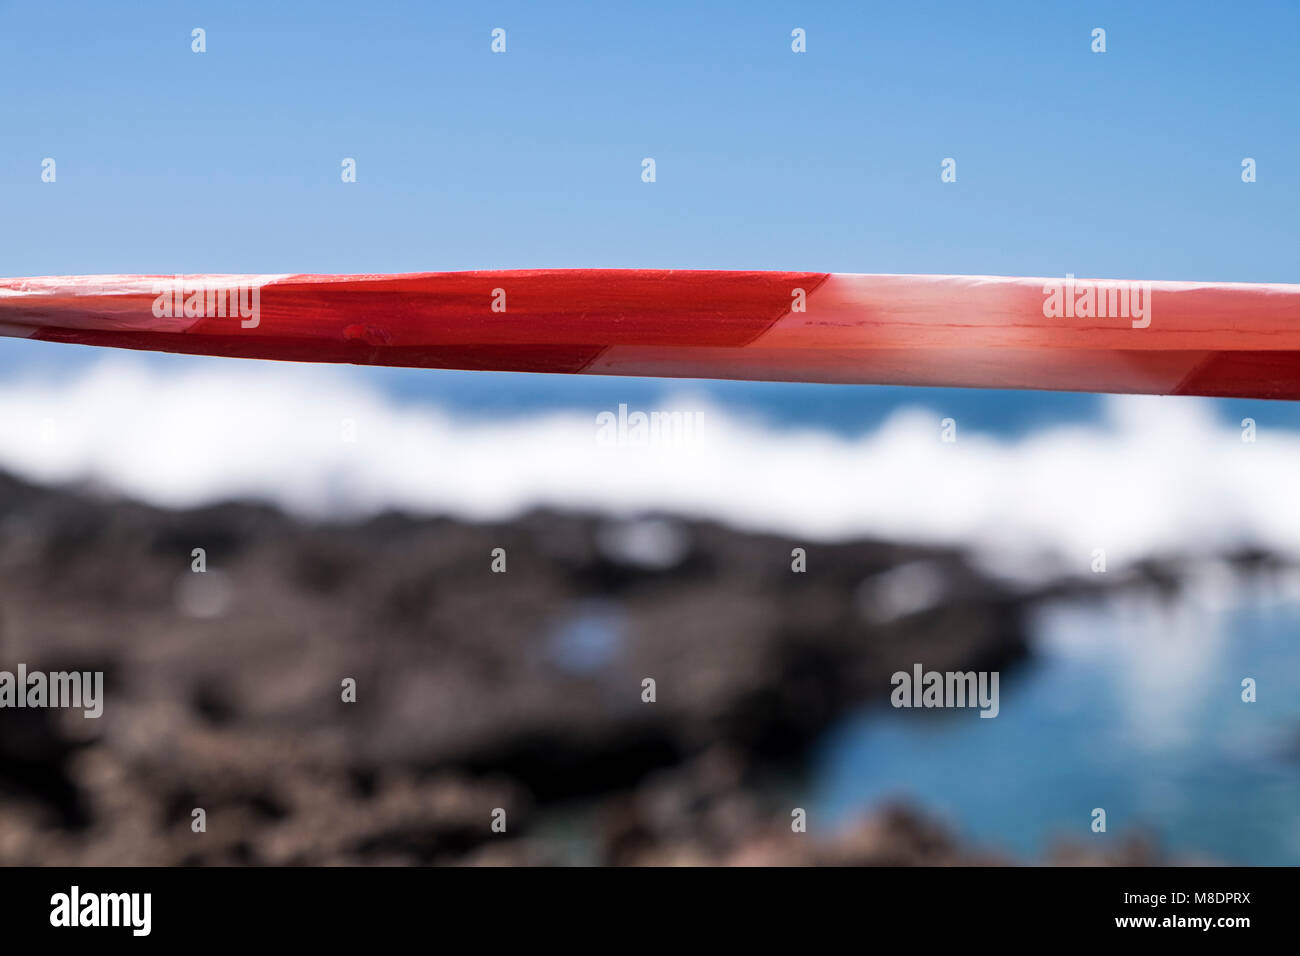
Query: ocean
point(1133, 706)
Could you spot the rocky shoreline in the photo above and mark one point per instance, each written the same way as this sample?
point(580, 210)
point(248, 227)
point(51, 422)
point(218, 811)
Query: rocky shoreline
point(475, 689)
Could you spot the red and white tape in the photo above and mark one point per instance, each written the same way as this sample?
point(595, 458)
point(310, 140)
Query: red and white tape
point(1174, 338)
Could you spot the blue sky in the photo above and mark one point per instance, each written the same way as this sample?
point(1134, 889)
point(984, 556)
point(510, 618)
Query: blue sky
point(1123, 164)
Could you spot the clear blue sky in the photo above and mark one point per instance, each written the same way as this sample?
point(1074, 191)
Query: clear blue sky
point(1123, 164)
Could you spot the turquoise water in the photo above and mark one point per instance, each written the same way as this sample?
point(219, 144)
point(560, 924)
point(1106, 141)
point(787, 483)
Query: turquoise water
point(1132, 707)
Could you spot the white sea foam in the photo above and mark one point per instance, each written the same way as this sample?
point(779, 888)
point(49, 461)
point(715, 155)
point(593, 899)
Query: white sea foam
point(1154, 475)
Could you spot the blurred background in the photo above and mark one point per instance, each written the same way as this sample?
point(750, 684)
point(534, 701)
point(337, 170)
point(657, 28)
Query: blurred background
point(348, 515)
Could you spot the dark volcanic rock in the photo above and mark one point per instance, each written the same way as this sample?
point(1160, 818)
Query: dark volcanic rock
point(475, 690)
